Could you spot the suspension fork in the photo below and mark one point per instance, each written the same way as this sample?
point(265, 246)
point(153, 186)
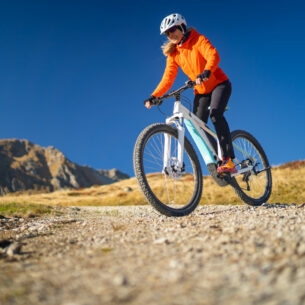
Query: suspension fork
point(174, 161)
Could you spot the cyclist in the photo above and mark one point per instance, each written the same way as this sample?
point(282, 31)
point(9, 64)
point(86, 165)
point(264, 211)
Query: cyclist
point(198, 59)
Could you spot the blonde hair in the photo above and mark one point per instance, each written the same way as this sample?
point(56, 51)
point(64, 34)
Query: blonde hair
point(169, 47)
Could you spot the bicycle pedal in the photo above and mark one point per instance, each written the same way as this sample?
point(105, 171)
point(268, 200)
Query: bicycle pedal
point(225, 176)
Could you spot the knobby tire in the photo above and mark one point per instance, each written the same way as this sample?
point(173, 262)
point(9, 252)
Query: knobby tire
point(168, 194)
point(253, 187)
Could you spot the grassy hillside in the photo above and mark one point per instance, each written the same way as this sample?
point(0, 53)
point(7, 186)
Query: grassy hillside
point(288, 187)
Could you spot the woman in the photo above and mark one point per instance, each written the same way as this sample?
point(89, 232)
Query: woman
point(199, 60)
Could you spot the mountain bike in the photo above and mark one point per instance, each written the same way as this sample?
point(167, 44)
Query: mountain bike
point(168, 169)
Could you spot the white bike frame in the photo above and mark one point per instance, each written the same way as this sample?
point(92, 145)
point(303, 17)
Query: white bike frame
point(197, 129)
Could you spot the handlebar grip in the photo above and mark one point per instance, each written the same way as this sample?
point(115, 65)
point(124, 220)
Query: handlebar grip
point(190, 83)
point(156, 101)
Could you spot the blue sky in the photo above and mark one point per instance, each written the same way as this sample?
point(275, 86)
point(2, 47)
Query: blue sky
point(74, 74)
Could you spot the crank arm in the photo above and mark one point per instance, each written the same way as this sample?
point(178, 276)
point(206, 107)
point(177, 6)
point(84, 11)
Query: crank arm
point(243, 170)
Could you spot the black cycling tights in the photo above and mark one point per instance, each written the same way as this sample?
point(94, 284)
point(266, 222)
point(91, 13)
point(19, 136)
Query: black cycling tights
point(213, 105)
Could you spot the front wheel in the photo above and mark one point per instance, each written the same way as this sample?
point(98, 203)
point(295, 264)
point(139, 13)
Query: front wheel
point(172, 189)
point(253, 186)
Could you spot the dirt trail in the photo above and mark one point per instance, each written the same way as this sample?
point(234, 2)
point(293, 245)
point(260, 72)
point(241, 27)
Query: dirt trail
point(133, 255)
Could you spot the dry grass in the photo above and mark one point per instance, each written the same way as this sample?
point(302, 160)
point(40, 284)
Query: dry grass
point(288, 187)
point(288, 183)
point(125, 192)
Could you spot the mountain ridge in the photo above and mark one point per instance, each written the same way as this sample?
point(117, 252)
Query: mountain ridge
point(27, 166)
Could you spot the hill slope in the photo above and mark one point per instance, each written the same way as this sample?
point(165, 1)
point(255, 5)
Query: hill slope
point(288, 187)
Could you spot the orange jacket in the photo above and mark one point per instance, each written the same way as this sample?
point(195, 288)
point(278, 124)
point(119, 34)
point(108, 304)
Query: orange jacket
point(194, 56)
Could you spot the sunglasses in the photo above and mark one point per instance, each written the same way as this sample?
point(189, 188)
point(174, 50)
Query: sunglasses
point(171, 30)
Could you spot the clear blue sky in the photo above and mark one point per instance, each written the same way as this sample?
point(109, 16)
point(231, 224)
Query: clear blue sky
point(74, 74)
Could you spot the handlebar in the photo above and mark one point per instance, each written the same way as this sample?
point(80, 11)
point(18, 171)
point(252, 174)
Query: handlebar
point(175, 93)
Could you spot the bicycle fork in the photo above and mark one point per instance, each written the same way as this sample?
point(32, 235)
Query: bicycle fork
point(173, 164)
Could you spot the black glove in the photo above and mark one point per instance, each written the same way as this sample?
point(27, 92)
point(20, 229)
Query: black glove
point(153, 100)
point(205, 75)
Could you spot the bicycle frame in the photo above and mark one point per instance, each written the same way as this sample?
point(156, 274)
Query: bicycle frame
point(197, 128)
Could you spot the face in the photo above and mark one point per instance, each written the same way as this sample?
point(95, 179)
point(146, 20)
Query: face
point(174, 34)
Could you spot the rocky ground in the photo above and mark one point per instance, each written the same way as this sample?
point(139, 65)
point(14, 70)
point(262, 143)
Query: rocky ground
point(133, 255)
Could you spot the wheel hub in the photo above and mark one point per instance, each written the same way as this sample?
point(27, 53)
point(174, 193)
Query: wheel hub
point(174, 170)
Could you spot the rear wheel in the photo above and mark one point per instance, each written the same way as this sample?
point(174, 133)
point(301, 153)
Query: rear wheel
point(254, 186)
point(171, 189)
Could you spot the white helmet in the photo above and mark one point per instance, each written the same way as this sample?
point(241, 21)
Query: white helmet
point(170, 21)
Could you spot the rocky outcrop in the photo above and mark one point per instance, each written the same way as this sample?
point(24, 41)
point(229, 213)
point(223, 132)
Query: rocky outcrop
point(27, 166)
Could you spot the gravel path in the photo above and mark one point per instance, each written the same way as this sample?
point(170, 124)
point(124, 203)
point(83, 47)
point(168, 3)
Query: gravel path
point(133, 255)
